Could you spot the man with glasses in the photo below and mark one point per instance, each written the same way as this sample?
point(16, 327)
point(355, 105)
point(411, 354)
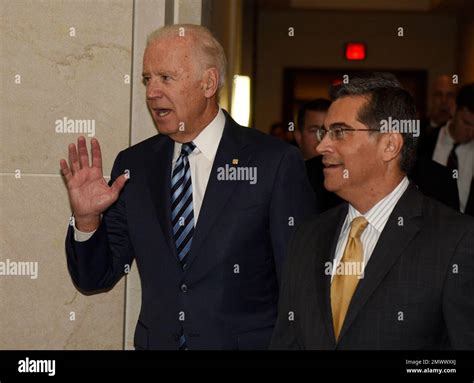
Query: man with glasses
point(391, 269)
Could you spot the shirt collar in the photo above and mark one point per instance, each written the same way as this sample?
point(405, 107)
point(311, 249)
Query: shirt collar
point(378, 215)
point(448, 141)
point(208, 140)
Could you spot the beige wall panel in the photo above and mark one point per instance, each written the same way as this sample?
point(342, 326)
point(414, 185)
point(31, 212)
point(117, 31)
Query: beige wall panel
point(78, 74)
point(36, 312)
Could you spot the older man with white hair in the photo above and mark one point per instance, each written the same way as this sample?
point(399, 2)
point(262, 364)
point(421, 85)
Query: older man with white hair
point(209, 244)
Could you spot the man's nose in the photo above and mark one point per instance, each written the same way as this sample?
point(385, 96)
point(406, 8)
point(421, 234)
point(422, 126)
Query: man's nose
point(153, 89)
point(324, 145)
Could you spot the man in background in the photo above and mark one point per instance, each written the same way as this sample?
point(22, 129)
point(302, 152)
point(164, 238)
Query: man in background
point(441, 103)
point(311, 118)
point(452, 146)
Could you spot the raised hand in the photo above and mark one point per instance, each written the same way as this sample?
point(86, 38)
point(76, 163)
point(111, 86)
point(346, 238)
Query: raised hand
point(89, 193)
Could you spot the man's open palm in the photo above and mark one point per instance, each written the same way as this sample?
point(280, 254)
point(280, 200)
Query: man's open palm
point(89, 193)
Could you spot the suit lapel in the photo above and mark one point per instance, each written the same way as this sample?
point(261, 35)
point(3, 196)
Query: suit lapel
point(391, 244)
point(323, 278)
point(218, 192)
point(158, 167)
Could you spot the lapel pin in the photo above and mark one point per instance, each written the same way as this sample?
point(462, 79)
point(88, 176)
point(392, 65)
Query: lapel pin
point(235, 161)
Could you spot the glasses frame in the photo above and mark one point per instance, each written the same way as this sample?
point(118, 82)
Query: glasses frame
point(320, 136)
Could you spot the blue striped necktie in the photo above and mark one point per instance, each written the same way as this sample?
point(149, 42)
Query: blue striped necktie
point(182, 215)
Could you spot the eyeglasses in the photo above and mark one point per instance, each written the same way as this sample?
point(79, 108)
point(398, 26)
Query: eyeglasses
point(337, 133)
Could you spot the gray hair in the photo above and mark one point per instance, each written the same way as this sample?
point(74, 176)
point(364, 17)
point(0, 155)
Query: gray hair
point(208, 48)
point(385, 98)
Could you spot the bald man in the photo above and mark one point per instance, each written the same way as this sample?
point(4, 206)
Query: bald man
point(442, 103)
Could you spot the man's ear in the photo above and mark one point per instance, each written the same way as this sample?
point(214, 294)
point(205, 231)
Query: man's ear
point(210, 82)
point(392, 146)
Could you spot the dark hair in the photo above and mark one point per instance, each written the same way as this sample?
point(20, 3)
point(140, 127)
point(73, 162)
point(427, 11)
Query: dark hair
point(317, 105)
point(465, 97)
point(385, 98)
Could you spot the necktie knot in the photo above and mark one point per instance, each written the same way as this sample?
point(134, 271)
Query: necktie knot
point(187, 148)
point(358, 226)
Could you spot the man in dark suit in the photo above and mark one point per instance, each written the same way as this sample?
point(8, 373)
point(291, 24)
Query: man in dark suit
point(452, 146)
point(435, 181)
point(391, 269)
point(206, 208)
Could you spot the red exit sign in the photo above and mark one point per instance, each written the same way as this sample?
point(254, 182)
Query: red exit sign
point(355, 51)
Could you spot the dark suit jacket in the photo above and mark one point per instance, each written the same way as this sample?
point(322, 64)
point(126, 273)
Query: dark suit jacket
point(427, 143)
point(417, 291)
point(228, 292)
point(435, 181)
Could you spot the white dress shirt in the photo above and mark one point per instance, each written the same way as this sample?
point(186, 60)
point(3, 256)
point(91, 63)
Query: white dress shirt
point(202, 158)
point(465, 154)
point(377, 218)
point(200, 163)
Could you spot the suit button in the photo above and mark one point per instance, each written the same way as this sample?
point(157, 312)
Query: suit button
point(184, 288)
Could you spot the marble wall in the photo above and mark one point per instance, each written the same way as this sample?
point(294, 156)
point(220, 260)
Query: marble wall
point(60, 60)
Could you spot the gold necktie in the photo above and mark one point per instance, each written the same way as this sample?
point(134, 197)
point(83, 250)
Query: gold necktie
point(344, 283)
